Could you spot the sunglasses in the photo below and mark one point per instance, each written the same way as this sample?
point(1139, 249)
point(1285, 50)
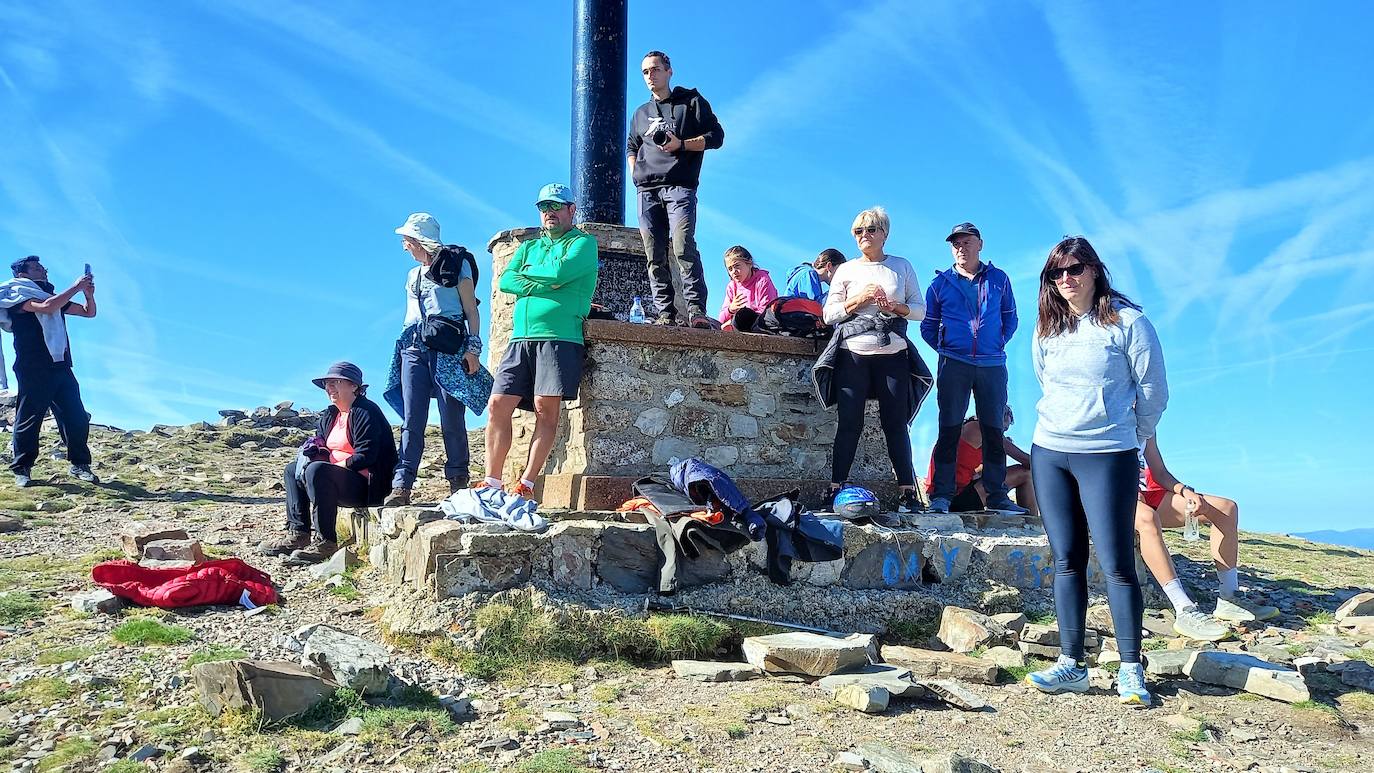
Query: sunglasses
point(1055, 274)
point(550, 206)
point(867, 229)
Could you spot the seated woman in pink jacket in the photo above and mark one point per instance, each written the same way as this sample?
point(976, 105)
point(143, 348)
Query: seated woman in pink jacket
point(749, 286)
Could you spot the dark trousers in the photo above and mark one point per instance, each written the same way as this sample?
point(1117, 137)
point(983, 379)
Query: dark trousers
point(988, 385)
point(669, 215)
point(886, 378)
point(42, 388)
point(418, 386)
point(1082, 495)
point(327, 488)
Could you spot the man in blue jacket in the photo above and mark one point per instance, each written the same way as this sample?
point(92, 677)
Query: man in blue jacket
point(970, 316)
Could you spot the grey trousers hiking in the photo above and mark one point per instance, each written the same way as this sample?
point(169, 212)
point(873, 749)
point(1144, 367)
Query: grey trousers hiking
point(418, 387)
point(668, 217)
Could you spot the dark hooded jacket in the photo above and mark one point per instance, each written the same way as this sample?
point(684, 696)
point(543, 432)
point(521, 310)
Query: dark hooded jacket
point(823, 372)
point(688, 115)
point(374, 447)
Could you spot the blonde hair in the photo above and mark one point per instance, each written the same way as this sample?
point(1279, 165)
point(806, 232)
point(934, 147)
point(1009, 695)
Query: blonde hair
point(738, 253)
point(873, 216)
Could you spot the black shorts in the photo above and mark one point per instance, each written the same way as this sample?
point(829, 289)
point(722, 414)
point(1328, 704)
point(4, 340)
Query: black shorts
point(967, 501)
point(540, 369)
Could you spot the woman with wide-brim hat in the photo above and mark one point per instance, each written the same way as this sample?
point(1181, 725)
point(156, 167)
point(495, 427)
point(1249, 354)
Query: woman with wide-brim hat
point(348, 463)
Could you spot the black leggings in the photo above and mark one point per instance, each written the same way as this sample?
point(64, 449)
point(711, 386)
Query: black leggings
point(327, 487)
point(886, 378)
point(1081, 494)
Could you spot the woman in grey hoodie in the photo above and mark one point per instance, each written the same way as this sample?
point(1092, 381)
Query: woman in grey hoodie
point(1101, 370)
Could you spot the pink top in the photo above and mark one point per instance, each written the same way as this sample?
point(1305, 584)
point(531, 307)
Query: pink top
point(757, 291)
point(337, 443)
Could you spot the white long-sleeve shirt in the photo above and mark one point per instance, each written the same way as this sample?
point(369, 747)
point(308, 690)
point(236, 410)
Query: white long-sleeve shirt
point(897, 278)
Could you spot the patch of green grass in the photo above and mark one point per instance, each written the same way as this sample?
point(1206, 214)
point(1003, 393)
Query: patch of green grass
point(43, 690)
point(1197, 735)
point(917, 630)
point(554, 761)
point(607, 693)
point(383, 726)
point(173, 724)
point(215, 652)
point(1153, 644)
point(1295, 649)
point(18, 608)
point(1316, 706)
point(737, 730)
point(1166, 767)
point(346, 591)
point(1040, 617)
point(125, 766)
point(977, 652)
point(1365, 653)
point(67, 752)
point(1357, 702)
point(262, 759)
point(1018, 673)
point(66, 654)
point(143, 632)
point(1322, 617)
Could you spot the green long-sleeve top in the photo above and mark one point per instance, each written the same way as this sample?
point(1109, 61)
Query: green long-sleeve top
point(552, 281)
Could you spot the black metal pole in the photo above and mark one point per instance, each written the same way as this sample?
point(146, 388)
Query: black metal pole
point(598, 110)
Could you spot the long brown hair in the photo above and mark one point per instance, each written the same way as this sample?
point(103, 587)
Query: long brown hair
point(1055, 315)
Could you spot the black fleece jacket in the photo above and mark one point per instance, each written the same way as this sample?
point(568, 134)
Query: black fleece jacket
point(688, 115)
point(374, 448)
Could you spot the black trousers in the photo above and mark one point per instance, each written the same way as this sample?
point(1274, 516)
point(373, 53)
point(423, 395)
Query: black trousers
point(327, 488)
point(886, 378)
point(41, 388)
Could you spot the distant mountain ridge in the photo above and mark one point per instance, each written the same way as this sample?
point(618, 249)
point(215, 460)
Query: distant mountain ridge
point(1351, 538)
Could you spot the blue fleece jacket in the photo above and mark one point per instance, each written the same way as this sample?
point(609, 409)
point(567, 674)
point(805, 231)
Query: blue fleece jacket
point(973, 333)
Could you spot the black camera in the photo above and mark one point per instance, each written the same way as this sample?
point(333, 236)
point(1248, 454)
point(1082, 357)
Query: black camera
point(658, 132)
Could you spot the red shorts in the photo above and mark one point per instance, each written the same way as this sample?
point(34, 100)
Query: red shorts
point(1153, 497)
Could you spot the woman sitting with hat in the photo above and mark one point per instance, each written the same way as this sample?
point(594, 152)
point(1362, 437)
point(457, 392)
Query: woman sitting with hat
point(348, 463)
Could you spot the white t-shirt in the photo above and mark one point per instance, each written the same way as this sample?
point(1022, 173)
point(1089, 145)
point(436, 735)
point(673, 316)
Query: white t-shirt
point(897, 278)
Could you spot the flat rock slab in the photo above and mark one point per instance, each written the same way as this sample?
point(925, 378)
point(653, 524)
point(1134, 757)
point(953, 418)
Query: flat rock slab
point(350, 660)
point(1248, 673)
point(954, 694)
point(897, 681)
point(342, 560)
point(1004, 657)
point(885, 759)
point(942, 665)
point(964, 630)
point(1167, 662)
point(278, 689)
point(707, 671)
point(1359, 674)
point(870, 699)
point(98, 601)
point(809, 653)
point(174, 550)
point(133, 536)
point(1360, 605)
point(9, 524)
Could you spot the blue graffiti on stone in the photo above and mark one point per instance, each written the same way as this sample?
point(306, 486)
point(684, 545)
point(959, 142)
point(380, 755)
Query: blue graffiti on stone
point(949, 554)
point(1029, 573)
point(895, 570)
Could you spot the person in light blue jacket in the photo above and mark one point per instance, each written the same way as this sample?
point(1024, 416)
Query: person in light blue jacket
point(1101, 370)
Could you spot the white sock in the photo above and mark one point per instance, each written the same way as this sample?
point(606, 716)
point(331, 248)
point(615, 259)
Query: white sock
point(494, 482)
point(1229, 582)
point(529, 483)
point(1177, 595)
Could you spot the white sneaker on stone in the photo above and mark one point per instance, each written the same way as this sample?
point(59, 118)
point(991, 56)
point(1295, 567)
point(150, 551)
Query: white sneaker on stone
point(1239, 610)
point(1195, 624)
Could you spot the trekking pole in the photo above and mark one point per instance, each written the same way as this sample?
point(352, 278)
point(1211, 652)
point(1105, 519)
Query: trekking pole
point(659, 606)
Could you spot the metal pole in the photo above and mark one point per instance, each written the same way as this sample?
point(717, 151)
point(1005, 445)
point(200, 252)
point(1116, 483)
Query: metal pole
point(598, 110)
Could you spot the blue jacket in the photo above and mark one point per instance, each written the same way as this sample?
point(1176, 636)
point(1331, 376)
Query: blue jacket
point(804, 282)
point(975, 335)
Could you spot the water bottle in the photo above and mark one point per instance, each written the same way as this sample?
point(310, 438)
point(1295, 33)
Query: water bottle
point(1190, 530)
point(637, 312)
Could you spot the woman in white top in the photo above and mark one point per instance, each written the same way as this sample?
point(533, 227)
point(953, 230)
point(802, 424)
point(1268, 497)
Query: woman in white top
point(871, 300)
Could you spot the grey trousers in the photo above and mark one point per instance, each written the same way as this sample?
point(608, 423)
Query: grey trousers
point(669, 216)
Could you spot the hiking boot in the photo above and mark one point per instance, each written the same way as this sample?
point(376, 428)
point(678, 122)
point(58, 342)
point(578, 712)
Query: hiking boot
point(1066, 675)
point(398, 498)
point(22, 478)
point(1195, 624)
point(939, 505)
point(455, 485)
point(701, 321)
point(317, 551)
point(1005, 506)
point(908, 502)
point(83, 472)
point(1241, 610)
point(285, 544)
point(1130, 686)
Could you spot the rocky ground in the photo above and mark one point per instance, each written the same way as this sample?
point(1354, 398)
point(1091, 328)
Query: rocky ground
point(114, 691)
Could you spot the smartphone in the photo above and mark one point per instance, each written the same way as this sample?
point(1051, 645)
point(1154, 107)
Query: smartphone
point(88, 269)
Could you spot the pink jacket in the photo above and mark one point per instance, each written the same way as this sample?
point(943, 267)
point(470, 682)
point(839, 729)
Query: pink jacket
point(757, 290)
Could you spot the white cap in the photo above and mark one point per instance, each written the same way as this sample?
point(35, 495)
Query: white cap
point(423, 227)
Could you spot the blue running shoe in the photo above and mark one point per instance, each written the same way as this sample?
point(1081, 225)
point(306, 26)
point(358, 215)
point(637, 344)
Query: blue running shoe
point(939, 505)
point(1066, 675)
point(1130, 686)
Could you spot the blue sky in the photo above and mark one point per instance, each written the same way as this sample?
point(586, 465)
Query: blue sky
point(233, 173)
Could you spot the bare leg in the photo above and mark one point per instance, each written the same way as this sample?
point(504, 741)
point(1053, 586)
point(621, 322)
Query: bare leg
point(1152, 547)
point(1224, 515)
point(546, 409)
point(1019, 478)
point(500, 409)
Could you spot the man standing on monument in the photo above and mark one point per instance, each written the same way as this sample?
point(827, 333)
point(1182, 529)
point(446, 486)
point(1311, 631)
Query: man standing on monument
point(552, 278)
point(669, 135)
point(970, 316)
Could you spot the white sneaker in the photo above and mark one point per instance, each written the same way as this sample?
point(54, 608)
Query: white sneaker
point(1066, 675)
point(1195, 624)
point(1239, 610)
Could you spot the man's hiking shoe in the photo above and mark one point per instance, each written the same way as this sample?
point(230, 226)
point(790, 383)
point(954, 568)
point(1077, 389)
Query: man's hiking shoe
point(1240, 610)
point(908, 503)
point(1130, 686)
point(520, 490)
point(313, 553)
point(399, 497)
point(939, 505)
point(665, 319)
point(701, 321)
point(1006, 507)
point(83, 472)
point(22, 478)
point(285, 544)
point(1195, 624)
point(455, 485)
point(1066, 675)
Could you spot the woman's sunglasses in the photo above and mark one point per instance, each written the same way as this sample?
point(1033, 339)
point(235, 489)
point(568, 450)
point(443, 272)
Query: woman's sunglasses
point(867, 229)
point(1055, 274)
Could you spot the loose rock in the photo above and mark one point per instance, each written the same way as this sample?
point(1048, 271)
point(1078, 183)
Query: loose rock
point(1249, 673)
point(707, 671)
point(277, 688)
point(941, 665)
point(809, 653)
point(868, 699)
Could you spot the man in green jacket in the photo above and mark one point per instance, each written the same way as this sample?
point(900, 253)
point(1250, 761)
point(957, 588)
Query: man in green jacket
point(552, 279)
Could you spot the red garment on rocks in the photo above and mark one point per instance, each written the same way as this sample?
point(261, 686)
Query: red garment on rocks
point(222, 581)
